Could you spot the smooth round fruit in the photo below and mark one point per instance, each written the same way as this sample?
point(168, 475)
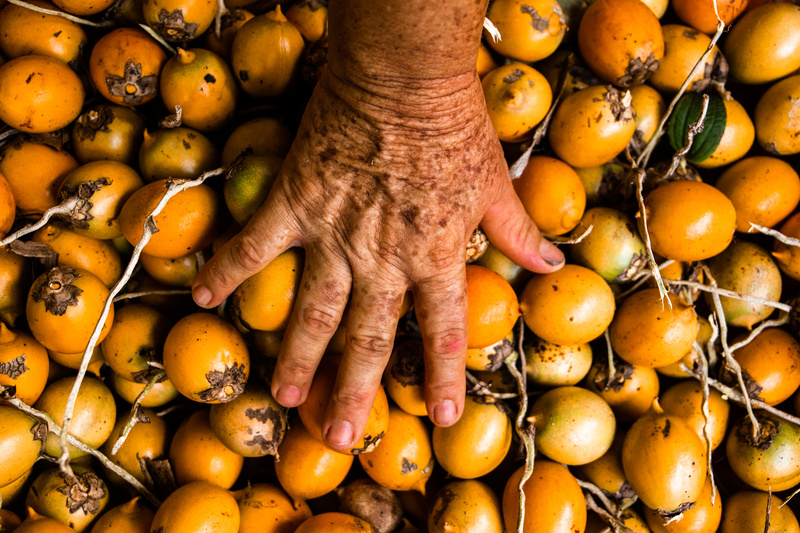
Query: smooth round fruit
point(8, 207)
point(574, 426)
point(310, 18)
point(685, 399)
point(179, 20)
point(187, 223)
point(492, 357)
point(21, 440)
point(15, 279)
point(629, 392)
point(335, 522)
point(196, 454)
point(764, 190)
point(704, 517)
point(267, 505)
point(621, 41)
point(664, 461)
point(788, 257)
point(770, 459)
point(197, 506)
point(162, 393)
point(135, 340)
point(107, 131)
point(492, 307)
point(764, 45)
point(259, 136)
point(552, 193)
point(125, 65)
point(530, 30)
point(683, 48)
point(35, 171)
point(776, 117)
point(554, 501)
point(404, 460)
point(404, 377)
point(176, 153)
point(465, 505)
point(518, 98)
point(130, 517)
point(591, 126)
point(309, 469)
point(75, 360)
point(39, 94)
point(148, 439)
point(75, 502)
point(265, 300)
point(247, 184)
point(201, 83)
point(64, 306)
point(607, 473)
point(252, 424)
point(745, 268)
point(570, 306)
point(92, 419)
point(701, 14)
point(206, 358)
point(24, 31)
point(649, 106)
point(36, 523)
point(746, 511)
point(688, 220)
point(312, 410)
point(737, 137)
point(102, 188)
point(553, 365)
point(174, 272)
point(772, 361)
point(477, 443)
point(647, 331)
point(24, 362)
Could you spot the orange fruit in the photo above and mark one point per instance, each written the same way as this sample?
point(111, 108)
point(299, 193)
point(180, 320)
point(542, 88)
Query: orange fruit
point(8, 206)
point(310, 18)
point(312, 410)
point(20, 443)
point(335, 522)
point(309, 469)
point(35, 171)
point(465, 505)
point(776, 116)
point(206, 358)
point(267, 504)
point(147, 440)
point(187, 223)
point(24, 31)
point(492, 307)
point(517, 98)
point(259, 136)
point(683, 47)
point(650, 108)
point(788, 257)
point(404, 460)
point(570, 306)
point(648, 331)
point(39, 94)
point(764, 190)
point(196, 454)
point(161, 393)
point(264, 301)
point(704, 517)
point(130, 517)
point(746, 510)
point(772, 361)
point(685, 399)
point(173, 272)
point(15, 279)
point(552, 193)
point(688, 220)
point(701, 14)
point(630, 392)
point(404, 377)
point(737, 138)
point(531, 30)
point(25, 363)
point(197, 506)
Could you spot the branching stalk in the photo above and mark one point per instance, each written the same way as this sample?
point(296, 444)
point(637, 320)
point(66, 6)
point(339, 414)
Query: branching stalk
point(133, 417)
point(157, 36)
point(785, 239)
point(714, 289)
point(64, 208)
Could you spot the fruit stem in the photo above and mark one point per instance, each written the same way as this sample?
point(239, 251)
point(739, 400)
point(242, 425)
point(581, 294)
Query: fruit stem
point(609, 513)
point(64, 208)
point(155, 35)
point(730, 294)
point(651, 260)
point(133, 417)
point(706, 412)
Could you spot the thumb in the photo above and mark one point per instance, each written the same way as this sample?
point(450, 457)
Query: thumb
point(509, 227)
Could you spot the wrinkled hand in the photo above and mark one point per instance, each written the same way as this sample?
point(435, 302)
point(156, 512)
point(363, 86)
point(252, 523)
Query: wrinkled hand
point(383, 187)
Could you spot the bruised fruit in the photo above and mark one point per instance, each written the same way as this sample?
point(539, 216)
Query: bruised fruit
point(24, 364)
point(21, 440)
point(267, 504)
point(147, 440)
point(179, 20)
point(252, 424)
point(517, 98)
point(531, 29)
point(76, 502)
point(465, 505)
point(552, 193)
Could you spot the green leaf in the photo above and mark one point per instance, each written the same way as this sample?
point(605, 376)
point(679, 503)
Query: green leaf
point(686, 112)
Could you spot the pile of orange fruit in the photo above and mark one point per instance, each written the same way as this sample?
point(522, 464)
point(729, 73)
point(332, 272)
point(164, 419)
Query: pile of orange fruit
point(625, 435)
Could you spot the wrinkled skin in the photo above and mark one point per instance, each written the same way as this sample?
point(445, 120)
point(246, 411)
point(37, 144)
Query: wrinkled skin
point(385, 182)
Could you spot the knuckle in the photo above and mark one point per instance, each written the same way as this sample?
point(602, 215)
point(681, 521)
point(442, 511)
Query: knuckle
point(354, 399)
point(248, 253)
point(372, 346)
point(318, 321)
point(299, 368)
point(443, 258)
point(447, 344)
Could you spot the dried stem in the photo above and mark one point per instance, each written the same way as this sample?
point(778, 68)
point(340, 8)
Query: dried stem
point(723, 336)
point(695, 128)
point(52, 427)
point(526, 432)
point(157, 36)
point(165, 292)
point(133, 417)
point(706, 417)
point(612, 520)
point(491, 29)
point(481, 388)
point(221, 10)
point(612, 370)
point(769, 510)
point(789, 241)
point(173, 188)
point(61, 14)
point(558, 239)
point(63, 208)
point(780, 321)
point(730, 294)
point(651, 259)
point(733, 394)
point(10, 132)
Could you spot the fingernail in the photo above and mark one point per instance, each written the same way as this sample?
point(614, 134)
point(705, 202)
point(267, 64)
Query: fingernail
point(340, 434)
point(288, 396)
point(202, 296)
point(444, 414)
point(550, 253)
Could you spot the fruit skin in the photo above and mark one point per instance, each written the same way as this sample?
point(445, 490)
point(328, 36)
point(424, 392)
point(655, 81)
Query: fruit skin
point(206, 358)
point(176, 153)
point(259, 136)
point(664, 460)
point(147, 440)
point(647, 331)
point(21, 440)
point(15, 279)
point(704, 517)
point(8, 207)
point(700, 14)
point(788, 257)
point(86, 497)
point(26, 364)
point(764, 190)
point(335, 522)
point(570, 306)
point(683, 47)
point(630, 392)
point(492, 307)
point(685, 399)
point(267, 505)
point(465, 505)
point(554, 501)
point(35, 171)
point(179, 20)
point(574, 426)
point(736, 140)
point(136, 339)
point(776, 117)
point(188, 222)
point(591, 126)
point(552, 193)
point(517, 98)
point(746, 511)
point(39, 94)
point(764, 45)
point(107, 131)
point(130, 517)
point(252, 424)
point(531, 30)
point(197, 506)
point(688, 220)
point(24, 31)
point(621, 41)
point(66, 299)
point(477, 443)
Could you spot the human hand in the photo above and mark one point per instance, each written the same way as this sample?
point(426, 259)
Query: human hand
point(383, 187)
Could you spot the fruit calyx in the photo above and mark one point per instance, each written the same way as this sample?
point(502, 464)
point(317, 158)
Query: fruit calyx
point(56, 290)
